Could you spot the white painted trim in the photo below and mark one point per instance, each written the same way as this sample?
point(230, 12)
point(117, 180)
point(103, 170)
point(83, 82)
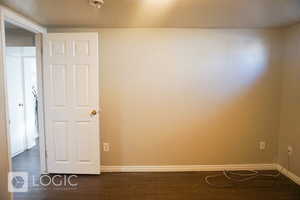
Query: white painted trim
point(288, 174)
point(41, 116)
point(21, 21)
point(17, 153)
point(24, 102)
point(3, 88)
point(183, 168)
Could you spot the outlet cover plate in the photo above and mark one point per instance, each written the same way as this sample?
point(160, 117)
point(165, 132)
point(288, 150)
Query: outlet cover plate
point(290, 150)
point(262, 145)
point(106, 146)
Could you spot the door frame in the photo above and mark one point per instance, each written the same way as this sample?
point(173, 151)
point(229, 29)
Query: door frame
point(7, 15)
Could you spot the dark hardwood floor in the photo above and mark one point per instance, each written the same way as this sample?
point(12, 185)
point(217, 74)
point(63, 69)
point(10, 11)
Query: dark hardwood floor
point(28, 161)
point(152, 186)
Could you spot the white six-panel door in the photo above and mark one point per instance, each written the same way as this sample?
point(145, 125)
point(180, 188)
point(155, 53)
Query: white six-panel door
point(17, 128)
point(71, 89)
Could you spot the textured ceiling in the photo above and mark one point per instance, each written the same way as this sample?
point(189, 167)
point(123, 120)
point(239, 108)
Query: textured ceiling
point(160, 13)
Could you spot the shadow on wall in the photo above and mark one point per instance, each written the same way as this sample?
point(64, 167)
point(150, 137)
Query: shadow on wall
point(174, 99)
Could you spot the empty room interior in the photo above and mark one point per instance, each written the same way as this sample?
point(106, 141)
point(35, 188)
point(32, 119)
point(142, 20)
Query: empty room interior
point(149, 99)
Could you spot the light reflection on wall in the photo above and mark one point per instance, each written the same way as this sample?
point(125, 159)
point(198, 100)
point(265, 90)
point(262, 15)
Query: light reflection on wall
point(224, 68)
point(247, 63)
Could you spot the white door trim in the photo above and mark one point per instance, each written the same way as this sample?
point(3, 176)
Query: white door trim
point(7, 15)
point(20, 21)
point(41, 118)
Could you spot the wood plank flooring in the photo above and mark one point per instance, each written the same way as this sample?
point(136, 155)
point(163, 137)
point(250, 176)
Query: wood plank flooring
point(152, 186)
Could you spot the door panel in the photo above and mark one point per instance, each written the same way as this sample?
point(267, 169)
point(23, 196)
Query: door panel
point(71, 84)
point(83, 141)
point(60, 131)
point(17, 129)
point(58, 83)
point(81, 84)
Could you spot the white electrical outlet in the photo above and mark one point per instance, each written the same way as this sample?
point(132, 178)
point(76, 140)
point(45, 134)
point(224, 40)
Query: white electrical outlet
point(262, 145)
point(106, 146)
point(290, 150)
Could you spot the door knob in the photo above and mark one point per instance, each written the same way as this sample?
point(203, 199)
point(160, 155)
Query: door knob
point(94, 112)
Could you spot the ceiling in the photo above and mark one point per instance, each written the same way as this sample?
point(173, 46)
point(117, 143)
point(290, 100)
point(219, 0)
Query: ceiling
point(160, 13)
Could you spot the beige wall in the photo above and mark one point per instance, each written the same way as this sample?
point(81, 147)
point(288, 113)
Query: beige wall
point(290, 113)
point(189, 96)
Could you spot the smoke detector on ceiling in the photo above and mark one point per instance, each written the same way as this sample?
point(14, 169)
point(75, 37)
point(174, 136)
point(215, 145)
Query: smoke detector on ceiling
point(97, 3)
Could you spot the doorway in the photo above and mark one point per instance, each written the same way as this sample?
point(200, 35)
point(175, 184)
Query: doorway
point(22, 99)
point(67, 80)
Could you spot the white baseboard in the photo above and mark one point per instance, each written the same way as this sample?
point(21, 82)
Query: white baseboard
point(17, 153)
point(195, 168)
point(288, 174)
point(30, 145)
point(184, 168)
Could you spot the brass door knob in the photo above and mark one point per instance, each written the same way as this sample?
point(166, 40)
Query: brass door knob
point(94, 112)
